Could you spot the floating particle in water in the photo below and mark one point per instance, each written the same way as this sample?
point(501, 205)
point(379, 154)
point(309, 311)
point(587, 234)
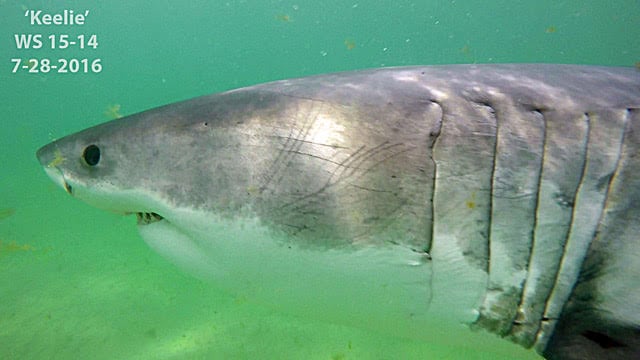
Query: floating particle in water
point(283, 18)
point(5, 213)
point(350, 44)
point(7, 248)
point(550, 29)
point(240, 300)
point(113, 111)
point(468, 53)
point(29, 63)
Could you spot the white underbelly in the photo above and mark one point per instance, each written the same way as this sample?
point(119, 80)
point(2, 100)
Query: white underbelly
point(391, 289)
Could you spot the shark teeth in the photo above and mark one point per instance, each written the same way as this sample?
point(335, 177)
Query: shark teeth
point(145, 218)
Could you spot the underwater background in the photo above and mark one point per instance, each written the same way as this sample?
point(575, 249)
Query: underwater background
point(79, 283)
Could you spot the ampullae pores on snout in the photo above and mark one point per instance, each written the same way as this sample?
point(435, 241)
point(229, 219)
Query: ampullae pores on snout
point(409, 200)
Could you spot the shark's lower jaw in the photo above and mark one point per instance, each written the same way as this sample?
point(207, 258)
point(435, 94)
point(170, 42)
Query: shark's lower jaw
point(146, 218)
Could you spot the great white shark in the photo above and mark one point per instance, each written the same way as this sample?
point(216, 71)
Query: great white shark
point(504, 198)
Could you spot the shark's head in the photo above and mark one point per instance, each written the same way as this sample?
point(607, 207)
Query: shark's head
point(161, 159)
point(93, 166)
point(108, 166)
point(254, 154)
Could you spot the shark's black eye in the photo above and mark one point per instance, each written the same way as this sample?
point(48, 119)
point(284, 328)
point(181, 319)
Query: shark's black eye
point(91, 155)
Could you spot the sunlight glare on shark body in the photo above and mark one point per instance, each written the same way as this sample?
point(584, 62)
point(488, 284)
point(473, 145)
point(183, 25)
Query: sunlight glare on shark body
point(418, 201)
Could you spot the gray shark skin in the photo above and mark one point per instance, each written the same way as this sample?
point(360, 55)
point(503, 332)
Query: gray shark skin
point(502, 197)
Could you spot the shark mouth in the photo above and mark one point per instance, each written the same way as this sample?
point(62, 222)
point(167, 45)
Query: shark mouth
point(145, 218)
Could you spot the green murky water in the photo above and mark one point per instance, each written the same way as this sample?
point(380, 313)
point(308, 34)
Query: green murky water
point(76, 282)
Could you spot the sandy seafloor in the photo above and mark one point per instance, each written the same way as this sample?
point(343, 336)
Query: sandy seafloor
point(79, 283)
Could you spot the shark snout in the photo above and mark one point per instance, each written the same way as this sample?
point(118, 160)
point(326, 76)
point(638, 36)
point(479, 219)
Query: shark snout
point(45, 154)
point(51, 158)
